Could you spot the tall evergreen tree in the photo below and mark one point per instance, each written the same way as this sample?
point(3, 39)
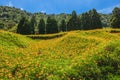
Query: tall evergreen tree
point(20, 26)
point(51, 26)
point(26, 26)
point(41, 26)
point(63, 26)
point(95, 22)
point(91, 20)
point(33, 24)
point(23, 26)
point(85, 21)
point(115, 19)
point(73, 23)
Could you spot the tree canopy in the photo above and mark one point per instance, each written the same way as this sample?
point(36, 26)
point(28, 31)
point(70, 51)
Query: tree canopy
point(42, 27)
point(10, 17)
point(115, 18)
point(51, 25)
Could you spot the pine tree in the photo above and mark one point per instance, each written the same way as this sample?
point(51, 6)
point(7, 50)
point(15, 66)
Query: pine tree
point(63, 25)
point(91, 20)
point(115, 19)
point(33, 24)
point(23, 26)
point(73, 23)
point(95, 22)
point(41, 26)
point(85, 21)
point(27, 29)
point(51, 26)
point(20, 26)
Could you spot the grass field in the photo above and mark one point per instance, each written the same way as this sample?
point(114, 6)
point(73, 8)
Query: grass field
point(75, 55)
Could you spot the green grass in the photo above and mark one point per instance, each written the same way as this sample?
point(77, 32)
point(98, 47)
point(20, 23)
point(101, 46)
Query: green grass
point(10, 39)
point(85, 55)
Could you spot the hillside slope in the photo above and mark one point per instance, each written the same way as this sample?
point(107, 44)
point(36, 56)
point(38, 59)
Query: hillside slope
point(11, 39)
point(86, 55)
point(10, 17)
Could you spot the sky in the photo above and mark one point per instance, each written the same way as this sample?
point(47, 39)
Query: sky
point(62, 6)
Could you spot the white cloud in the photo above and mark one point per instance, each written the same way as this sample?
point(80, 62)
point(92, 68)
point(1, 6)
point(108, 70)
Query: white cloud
point(109, 9)
point(10, 4)
point(43, 11)
point(21, 9)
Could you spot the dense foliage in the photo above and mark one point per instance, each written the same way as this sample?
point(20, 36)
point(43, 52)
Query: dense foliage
point(32, 24)
point(42, 27)
point(63, 26)
point(73, 23)
point(10, 18)
point(87, 21)
point(24, 26)
point(115, 20)
point(51, 25)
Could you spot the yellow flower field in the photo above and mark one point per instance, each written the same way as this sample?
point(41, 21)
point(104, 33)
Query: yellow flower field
point(75, 55)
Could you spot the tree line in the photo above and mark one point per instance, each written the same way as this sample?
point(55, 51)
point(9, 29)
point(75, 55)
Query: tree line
point(87, 21)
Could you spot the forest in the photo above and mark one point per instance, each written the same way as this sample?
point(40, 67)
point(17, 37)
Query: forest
point(12, 19)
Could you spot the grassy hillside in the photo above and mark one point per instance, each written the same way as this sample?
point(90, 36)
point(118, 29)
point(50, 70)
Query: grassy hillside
point(10, 17)
point(85, 55)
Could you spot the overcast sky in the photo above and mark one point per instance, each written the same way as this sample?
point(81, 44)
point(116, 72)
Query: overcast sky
point(62, 6)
